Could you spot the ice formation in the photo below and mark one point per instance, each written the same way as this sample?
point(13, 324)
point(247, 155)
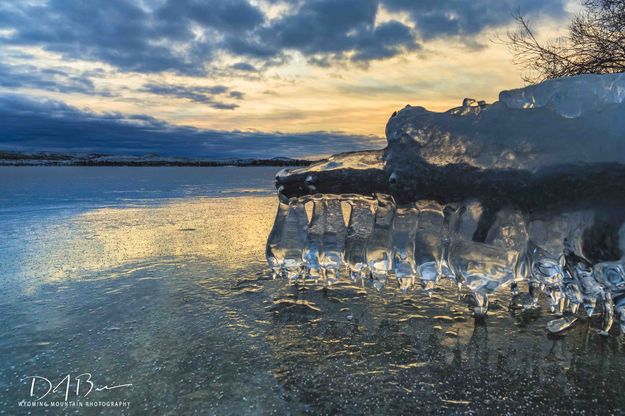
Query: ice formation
point(568, 120)
point(529, 189)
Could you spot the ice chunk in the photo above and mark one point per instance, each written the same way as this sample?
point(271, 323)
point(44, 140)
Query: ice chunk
point(346, 173)
point(569, 120)
point(570, 97)
point(333, 239)
point(464, 219)
point(323, 251)
point(294, 238)
point(581, 271)
point(379, 245)
point(287, 238)
point(611, 275)
point(274, 250)
point(428, 240)
point(482, 267)
point(314, 238)
point(531, 187)
point(543, 267)
point(360, 227)
point(508, 231)
point(404, 234)
point(429, 243)
point(611, 278)
point(549, 235)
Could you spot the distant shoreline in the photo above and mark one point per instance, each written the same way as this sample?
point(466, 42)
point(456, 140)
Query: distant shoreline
point(95, 160)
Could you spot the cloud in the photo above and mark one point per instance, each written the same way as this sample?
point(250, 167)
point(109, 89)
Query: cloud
point(49, 79)
point(183, 36)
point(327, 30)
point(244, 66)
point(49, 125)
point(236, 95)
point(204, 95)
point(385, 41)
point(176, 36)
point(434, 18)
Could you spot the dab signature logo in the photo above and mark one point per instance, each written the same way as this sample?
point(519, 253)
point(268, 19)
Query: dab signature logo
point(73, 391)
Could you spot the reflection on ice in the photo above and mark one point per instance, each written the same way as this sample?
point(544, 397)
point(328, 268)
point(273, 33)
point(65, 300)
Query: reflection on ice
point(416, 245)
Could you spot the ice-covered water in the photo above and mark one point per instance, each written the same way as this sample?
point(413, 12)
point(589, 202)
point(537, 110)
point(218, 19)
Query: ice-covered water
point(157, 277)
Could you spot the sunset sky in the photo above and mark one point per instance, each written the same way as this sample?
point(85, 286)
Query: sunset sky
point(245, 78)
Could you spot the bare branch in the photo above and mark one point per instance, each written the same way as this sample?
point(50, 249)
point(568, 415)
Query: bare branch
point(595, 43)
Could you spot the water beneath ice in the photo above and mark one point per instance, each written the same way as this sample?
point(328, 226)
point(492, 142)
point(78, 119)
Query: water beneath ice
point(157, 277)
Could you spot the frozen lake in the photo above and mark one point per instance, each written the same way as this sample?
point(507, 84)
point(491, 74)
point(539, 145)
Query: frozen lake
point(156, 277)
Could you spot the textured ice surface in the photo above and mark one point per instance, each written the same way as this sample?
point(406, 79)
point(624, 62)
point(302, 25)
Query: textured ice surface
point(355, 172)
point(570, 97)
point(153, 291)
point(352, 160)
point(571, 120)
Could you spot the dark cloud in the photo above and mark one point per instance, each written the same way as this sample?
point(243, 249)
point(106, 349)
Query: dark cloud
point(50, 79)
point(223, 15)
point(236, 95)
point(244, 66)
point(204, 95)
point(328, 30)
point(324, 26)
point(30, 125)
point(435, 18)
point(251, 45)
point(184, 35)
point(385, 41)
point(175, 36)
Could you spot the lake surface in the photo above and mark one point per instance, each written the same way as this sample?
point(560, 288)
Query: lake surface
point(156, 277)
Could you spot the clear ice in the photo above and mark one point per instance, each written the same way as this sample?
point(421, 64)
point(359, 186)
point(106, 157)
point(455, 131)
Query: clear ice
point(526, 194)
point(379, 247)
